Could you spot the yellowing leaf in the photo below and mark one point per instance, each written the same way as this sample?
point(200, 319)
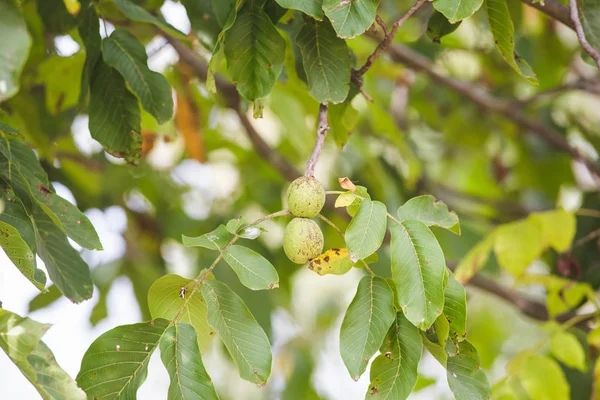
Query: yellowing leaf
point(517, 245)
point(594, 337)
point(333, 261)
point(558, 228)
point(345, 199)
point(567, 349)
point(543, 379)
point(474, 260)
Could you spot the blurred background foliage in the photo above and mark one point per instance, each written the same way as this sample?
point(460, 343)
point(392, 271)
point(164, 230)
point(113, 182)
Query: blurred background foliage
point(418, 136)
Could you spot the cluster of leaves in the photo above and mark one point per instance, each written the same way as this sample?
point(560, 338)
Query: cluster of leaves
point(299, 54)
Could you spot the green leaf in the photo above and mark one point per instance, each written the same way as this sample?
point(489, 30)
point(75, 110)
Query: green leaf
point(558, 228)
point(180, 355)
point(394, 371)
point(429, 211)
point(116, 363)
point(361, 191)
point(21, 168)
point(465, 376)
point(366, 323)
point(442, 329)
point(350, 18)
point(343, 118)
point(366, 230)
point(503, 32)
point(345, 199)
point(13, 52)
point(518, 244)
point(55, 16)
point(138, 14)
point(455, 308)
point(326, 60)
point(437, 351)
point(567, 349)
point(89, 31)
point(65, 266)
point(126, 54)
point(439, 26)
point(543, 379)
point(594, 337)
point(590, 19)
point(234, 225)
point(115, 119)
point(310, 7)
point(245, 340)
point(165, 301)
point(254, 271)
point(418, 271)
point(20, 338)
point(475, 259)
point(214, 240)
point(44, 299)
point(17, 237)
point(457, 10)
point(255, 52)
point(56, 74)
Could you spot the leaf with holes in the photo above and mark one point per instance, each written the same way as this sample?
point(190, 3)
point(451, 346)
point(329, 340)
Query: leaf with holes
point(255, 52)
point(457, 10)
point(115, 119)
point(245, 340)
point(214, 240)
point(13, 52)
point(116, 363)
point(180, 355)
point(167, 298)
point(310, 7)
point(465, 376)
point(20, 338)
point(429, 211)
point(326, 60)
point(366, 323)
point(418, 271)
point(253, 270)
point(350, 18)
point(503, 32)
point(366, 230)
point(394, 371)
point(123, 51)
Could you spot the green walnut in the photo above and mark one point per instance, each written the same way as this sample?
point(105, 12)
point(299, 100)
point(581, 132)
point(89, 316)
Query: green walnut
point(306, 197)
point(302, 240)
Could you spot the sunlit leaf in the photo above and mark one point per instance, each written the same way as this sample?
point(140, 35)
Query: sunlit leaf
point(14, 51)
point(567, 349)
point(214, 240)
point(543, 379)
point(457, 10)
point(350, 18)
point(333, 261)
point(557, 227)
point(170, 296)
point(474, 260)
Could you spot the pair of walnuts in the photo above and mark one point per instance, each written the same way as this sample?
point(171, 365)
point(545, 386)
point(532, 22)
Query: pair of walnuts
point(303, 239)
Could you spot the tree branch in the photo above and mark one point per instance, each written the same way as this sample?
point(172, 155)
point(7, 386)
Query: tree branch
point(485, 100)
point(553, 9)
point(232, 99)
point(321, 134)
point(387, 40)
point(581, 35)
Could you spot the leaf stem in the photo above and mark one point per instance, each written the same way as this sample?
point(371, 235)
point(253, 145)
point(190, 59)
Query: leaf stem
point(586, 212)
point(201, 278)
point(390, 216)
point(330, 223)
point(334, 192)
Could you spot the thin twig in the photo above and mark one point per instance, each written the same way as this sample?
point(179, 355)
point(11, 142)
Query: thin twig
point(587, 85)
point(581, 34)
point(330, 223)
point(590, 236)
point(586, 212)
point(321, 134)
point(389, 36)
